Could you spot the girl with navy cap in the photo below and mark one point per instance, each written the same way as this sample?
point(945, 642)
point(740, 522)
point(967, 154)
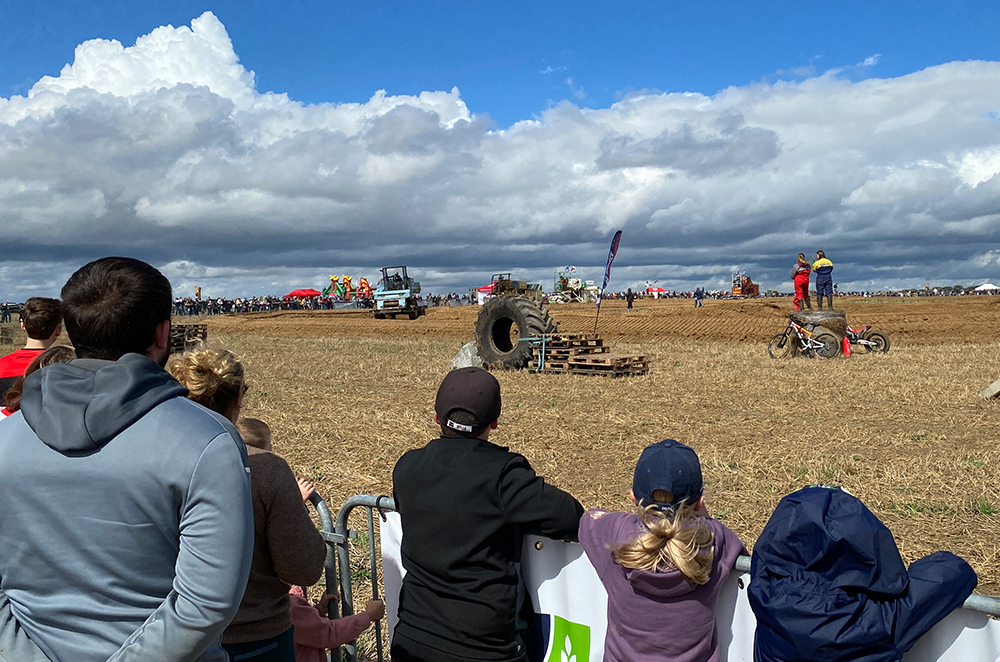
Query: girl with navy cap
point(663, 567)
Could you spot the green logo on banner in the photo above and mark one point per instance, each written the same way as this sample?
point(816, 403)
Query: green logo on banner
point(570, 641)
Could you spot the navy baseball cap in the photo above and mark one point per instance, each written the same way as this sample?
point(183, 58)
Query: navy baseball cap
point(667, 465)
point(472, 390)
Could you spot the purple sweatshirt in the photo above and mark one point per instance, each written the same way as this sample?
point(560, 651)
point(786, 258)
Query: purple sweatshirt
point(656, 615)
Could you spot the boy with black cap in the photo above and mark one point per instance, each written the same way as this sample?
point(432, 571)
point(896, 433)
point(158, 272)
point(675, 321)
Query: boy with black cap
point(664, 567)
point(465, 504)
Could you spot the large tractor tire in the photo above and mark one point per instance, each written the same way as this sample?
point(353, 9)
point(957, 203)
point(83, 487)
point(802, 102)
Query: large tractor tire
point(501, 322)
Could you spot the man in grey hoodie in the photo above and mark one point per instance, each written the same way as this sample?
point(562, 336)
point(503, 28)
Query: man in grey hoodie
point(126, 526)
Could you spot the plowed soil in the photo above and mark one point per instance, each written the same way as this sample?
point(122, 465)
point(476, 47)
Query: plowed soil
point(924, 320)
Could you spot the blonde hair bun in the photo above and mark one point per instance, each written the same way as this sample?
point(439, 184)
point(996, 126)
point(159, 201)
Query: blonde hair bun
point(213, 376)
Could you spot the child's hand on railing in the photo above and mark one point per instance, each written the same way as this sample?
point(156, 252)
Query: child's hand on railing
point(375, 609)
point(324, 603)
point(305, 488)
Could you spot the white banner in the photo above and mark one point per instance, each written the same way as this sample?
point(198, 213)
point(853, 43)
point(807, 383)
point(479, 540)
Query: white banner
point(573, 605)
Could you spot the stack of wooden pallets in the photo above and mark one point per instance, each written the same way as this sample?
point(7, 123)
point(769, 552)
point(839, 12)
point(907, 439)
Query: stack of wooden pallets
point(583, 354)
point(184, 335)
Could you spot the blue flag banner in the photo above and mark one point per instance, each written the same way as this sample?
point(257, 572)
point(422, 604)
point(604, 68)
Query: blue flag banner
point(607, 269)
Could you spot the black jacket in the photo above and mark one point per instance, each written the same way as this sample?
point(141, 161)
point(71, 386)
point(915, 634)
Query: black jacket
point(828, 585)
point(465, 505)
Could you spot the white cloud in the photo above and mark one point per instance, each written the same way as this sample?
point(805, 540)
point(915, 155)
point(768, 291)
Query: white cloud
point(166, 150)
point(871, 60)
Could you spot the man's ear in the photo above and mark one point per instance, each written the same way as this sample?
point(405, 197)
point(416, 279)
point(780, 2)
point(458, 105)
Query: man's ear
point(57, 332)
point(437, 419)
point(161, 340)
point(494, 424)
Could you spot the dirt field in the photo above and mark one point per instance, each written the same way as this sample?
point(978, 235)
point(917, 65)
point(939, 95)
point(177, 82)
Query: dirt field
point(347, 395)
point(931, 320)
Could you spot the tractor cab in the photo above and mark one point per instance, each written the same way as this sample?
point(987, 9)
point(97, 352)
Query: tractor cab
point(395, 279)
point(501, 284)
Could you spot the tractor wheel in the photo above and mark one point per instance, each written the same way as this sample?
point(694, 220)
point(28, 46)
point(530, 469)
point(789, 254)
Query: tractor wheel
point(502, 322)
point(380, 316)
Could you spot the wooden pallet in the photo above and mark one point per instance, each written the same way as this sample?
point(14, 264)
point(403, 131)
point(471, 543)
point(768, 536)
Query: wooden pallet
point(613, 360)
point(590, 370)
point(573, 351)
point(183, 336)
point(584, 354)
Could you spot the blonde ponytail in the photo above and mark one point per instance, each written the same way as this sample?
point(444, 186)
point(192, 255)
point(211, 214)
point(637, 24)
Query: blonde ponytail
point(680, 540)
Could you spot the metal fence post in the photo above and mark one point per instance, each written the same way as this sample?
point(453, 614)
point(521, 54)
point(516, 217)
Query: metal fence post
point(382, 504)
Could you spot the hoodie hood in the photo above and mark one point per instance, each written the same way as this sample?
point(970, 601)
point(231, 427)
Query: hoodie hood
point(82, 405)
point(829, 535)
point(660, 584)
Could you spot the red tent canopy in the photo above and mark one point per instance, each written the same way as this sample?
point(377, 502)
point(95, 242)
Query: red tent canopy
point(303, 293)
point(658, 290)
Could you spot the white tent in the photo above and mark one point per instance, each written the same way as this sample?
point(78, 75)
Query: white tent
point(986, 287)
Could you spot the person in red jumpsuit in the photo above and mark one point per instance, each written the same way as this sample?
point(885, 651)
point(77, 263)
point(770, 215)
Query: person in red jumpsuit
point(800, 276)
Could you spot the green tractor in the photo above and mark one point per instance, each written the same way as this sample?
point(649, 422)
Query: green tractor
point(513, 311)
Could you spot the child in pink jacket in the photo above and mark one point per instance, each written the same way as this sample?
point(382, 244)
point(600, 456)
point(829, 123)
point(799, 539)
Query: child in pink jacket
point(315, 633)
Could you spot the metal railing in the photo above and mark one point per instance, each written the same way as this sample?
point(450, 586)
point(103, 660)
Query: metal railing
point(338, 553)
point(338, 534)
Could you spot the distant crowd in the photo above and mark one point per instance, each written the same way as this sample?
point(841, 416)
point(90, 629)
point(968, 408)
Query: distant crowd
point(143, 517)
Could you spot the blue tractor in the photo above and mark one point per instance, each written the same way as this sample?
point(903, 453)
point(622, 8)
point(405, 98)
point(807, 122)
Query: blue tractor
point(396, 294)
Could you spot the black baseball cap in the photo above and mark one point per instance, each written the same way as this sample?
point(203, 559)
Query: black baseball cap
point(471, 390)
point(667, 465)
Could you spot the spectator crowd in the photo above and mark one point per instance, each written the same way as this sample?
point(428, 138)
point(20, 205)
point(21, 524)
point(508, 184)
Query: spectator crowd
point(142, 517)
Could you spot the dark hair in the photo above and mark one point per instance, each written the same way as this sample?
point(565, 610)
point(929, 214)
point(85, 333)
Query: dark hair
point(461, 417)
point(821, 254)
point(112, 307)
point(41, 317)
point(57, 354)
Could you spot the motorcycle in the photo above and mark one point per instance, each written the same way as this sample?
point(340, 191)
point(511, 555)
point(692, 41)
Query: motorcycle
point(873, 341)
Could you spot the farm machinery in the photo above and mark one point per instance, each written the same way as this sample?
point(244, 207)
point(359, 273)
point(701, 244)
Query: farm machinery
point(396, 294)
point(743, 286)
point(567, 288)
point(513, 311)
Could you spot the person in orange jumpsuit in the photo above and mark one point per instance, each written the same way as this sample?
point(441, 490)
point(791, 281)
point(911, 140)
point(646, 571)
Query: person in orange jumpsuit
point(800, 276)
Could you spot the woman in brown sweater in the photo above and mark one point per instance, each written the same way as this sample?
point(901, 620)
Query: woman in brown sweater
point(287, 547)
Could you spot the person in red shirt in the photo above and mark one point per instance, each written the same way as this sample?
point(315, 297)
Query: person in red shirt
point(800, 276)
point(41, 319)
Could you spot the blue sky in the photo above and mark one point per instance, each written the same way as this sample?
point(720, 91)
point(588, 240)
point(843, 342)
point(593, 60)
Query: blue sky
point(248, 148)
point(337, 51)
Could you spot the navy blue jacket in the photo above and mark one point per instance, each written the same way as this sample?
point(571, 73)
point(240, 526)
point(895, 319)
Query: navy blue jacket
point(828, 584)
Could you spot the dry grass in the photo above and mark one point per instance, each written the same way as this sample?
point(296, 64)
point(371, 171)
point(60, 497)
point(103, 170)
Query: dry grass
point(905, 432)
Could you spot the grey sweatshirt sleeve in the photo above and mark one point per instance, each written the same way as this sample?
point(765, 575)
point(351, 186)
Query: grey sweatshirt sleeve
point(213, 563)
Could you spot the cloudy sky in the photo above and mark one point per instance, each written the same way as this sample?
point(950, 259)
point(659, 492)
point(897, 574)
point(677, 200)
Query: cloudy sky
point(257, 147)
